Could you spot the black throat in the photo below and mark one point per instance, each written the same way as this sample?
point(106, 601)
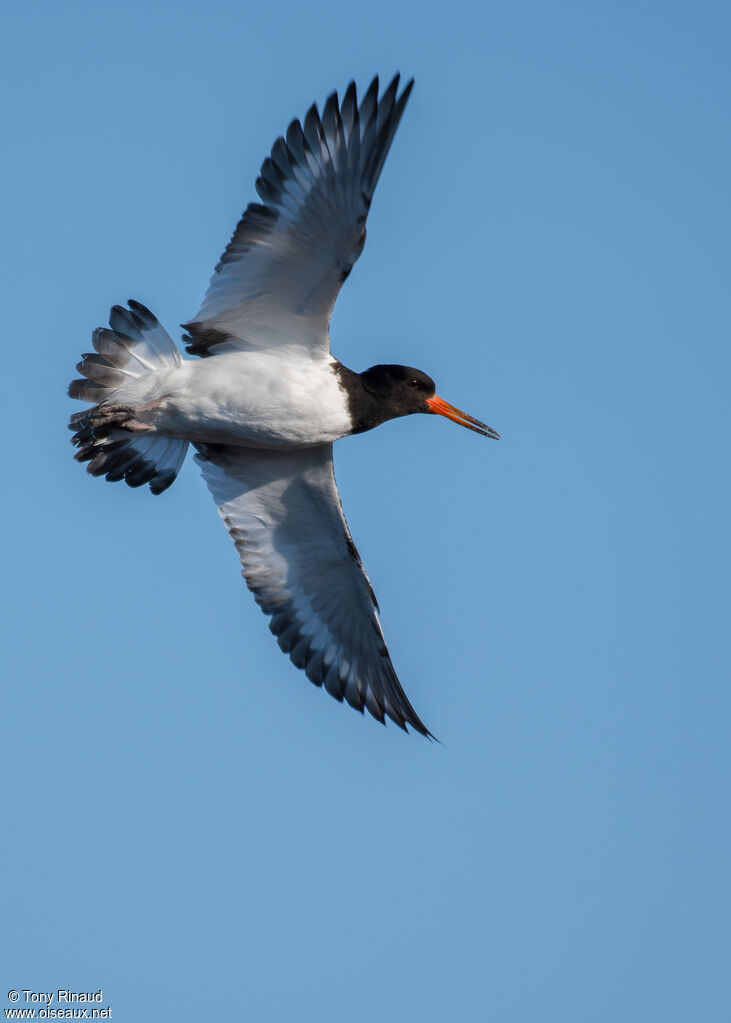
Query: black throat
point(365, 407)
point(383, 392)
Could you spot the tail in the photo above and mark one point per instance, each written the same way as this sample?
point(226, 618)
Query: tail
point(109, 436)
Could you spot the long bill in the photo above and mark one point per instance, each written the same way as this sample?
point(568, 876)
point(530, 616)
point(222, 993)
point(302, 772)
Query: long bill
point(443, 408)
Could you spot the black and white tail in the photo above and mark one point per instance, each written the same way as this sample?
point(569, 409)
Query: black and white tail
point(109, 436)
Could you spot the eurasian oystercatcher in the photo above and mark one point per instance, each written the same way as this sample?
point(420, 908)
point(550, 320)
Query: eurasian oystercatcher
point(266, 399)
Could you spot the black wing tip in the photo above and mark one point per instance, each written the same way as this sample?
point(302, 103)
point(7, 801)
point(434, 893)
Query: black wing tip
point(403, 716)
point(395, 707)
point(393, 84)
point(414, 724)
point(373, 88)
point(406, 91)
point(418, 726)
point(351, 91)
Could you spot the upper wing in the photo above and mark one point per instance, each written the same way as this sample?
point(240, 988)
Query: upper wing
point(278, 279)
point(283, 512)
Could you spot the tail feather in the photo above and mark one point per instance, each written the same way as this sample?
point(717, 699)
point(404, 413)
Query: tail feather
point(140, 327)
point(137, 458)
point(109, 437)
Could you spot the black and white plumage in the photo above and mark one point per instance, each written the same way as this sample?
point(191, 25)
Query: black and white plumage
point(267, 401)
point(283, 512)
point(126, 359)
point(278, 279)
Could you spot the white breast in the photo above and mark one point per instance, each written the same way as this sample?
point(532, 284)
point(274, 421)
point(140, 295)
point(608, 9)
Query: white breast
point(255, 399)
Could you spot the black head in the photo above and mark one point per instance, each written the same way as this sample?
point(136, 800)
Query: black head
point(398, 390)
point(387, 392)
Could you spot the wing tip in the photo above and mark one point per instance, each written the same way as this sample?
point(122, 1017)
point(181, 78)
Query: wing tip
point(418, 726)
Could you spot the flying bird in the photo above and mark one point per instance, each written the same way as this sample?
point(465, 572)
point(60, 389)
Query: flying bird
point(266, 399)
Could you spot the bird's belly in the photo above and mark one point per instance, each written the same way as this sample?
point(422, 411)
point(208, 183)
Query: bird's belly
point(256, 403)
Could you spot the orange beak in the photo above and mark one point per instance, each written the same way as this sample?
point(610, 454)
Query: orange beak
point(443, 408)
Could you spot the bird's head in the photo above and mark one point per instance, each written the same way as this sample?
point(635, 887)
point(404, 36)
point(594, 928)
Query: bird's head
point(403, 390)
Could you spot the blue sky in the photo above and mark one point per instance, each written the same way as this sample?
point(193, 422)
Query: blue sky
point(189, 824)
